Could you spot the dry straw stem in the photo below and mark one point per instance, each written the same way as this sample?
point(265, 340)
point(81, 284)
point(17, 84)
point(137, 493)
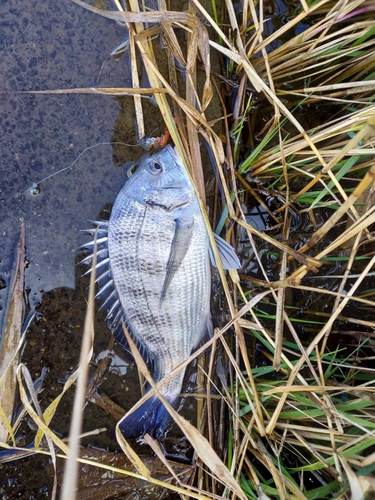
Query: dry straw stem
point(50, 411)
point(237, 55)
point(108, 468)
point(316, 340)
point(196, 118)
point(199, 41)
point(135, 79)
point(323, 135)
point(367, 130)
point(98, 90)
point(71, 470)
point(337, 12)
point(199, 442)
point(364, 222)
point(11, 344)
point(321, 54)
point(307, 160)
point(347, 205)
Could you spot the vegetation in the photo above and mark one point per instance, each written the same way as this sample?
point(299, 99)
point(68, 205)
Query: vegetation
point(292, 146)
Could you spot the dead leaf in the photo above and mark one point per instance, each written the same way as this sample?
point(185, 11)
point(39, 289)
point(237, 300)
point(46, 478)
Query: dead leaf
point(11, 344)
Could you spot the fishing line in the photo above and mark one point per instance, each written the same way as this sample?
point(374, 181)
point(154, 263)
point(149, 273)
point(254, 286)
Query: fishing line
point(35, 186)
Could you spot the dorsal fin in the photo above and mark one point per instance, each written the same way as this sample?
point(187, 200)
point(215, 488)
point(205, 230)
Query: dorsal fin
point(107, 292)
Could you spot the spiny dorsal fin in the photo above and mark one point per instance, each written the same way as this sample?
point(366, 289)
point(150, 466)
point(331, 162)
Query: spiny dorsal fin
point(107, 292)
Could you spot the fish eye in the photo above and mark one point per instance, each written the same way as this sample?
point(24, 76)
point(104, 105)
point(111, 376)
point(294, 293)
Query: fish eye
point(155, 168)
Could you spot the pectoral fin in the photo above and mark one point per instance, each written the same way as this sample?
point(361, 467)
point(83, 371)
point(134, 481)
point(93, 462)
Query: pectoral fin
point(180, 243)
point(227, 253)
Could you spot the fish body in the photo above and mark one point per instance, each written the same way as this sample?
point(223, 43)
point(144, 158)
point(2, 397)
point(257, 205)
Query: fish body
point(154, 274)
point(158, 250)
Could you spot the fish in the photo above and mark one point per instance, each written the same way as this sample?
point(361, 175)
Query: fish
point(154, 274)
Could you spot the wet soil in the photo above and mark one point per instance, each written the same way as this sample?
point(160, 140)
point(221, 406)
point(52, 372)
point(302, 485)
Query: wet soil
point(58, 171)
point(49, 46)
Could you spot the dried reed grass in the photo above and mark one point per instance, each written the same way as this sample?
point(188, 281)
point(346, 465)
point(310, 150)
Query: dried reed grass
point(301, 422)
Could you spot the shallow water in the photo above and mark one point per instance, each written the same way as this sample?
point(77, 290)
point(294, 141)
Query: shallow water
point(46, 46)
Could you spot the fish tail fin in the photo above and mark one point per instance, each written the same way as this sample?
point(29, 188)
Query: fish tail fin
point(151, 417)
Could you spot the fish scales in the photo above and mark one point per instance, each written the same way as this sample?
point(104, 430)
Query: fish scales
point(157, 277)
point(164, 289)
point(140, 257)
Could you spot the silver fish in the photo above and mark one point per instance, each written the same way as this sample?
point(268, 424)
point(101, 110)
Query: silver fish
point(154, 273)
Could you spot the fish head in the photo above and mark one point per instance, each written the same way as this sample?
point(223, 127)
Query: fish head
point(161, 181)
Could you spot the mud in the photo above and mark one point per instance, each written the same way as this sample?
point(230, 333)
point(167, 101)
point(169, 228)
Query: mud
point(47, 46)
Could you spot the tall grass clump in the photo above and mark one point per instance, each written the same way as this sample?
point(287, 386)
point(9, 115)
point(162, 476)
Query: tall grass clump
point(292, 147)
